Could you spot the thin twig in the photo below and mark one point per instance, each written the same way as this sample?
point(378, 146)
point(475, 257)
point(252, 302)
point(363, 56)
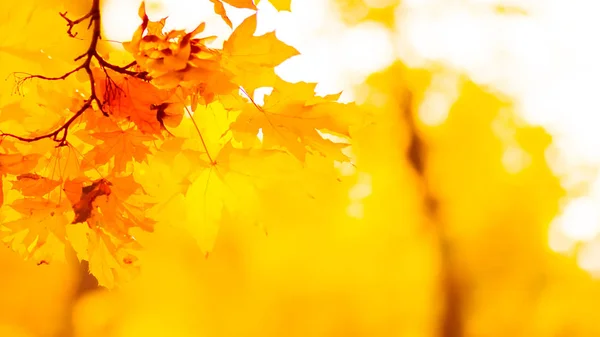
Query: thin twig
point(60, 135)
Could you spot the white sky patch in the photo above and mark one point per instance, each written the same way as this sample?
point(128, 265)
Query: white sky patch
point(515, 159)
point(589, 258)
point(362, 188)
point(332, 137)
point(580, 219)
point(260, 135)
point(439, 98)
point(260, 93)
point(558, 241)
point(543, 61)
point(336, 56)
point(546, 61)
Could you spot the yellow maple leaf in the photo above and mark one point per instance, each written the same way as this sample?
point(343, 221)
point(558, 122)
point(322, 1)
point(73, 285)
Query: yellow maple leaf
point(110, 261)
point(293, 119)
point(41, 220)
point(253, 58)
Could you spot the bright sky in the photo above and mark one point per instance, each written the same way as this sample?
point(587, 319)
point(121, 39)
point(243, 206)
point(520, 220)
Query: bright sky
point(547, 61)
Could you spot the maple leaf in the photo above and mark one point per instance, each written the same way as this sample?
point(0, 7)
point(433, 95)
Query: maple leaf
point(127, 157)
point(111, 261)
point(253, 58)
point(41, 220)
point(133, 99)
point(83, 207)
point(121, 146)
point(220, 9)
point(178, 59)
point(205, 201)
point(15, 164)
point(293, 119)
point(115, 209)
point(32, 184)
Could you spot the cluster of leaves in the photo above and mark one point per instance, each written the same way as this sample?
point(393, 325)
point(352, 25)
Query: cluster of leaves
point(126, 147)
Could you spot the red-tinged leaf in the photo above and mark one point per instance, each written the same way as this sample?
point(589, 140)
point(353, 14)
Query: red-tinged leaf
point(169, 114)
point(84, 206)
point(132, 99)
point(116, 206)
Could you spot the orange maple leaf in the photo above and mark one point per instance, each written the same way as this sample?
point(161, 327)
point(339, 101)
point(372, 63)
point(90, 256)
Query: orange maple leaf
point(15, 164)
point(128, 98)
point(32, 184)
point(123, 146)
point(220, 9)
point(179, 59)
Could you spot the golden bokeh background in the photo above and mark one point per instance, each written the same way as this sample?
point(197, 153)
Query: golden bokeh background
point(472, 208)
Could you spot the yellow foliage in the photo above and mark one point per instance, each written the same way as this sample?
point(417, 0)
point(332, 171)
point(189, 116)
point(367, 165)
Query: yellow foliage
point(160, 197)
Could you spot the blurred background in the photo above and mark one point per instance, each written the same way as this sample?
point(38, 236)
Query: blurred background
point(473, 207)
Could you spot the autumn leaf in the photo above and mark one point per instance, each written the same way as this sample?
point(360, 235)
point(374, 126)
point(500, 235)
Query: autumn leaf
point(204, 201)
point(17, 163)
point(178, 59)
point(110, 261)
point(40, 221)
point(253, 58)
point(32, 184)
point(119, 147)
point(294, 120)
point(114, 209)
point(220, 9)
point(170, 138)
point(138, 101)
point(83, 207)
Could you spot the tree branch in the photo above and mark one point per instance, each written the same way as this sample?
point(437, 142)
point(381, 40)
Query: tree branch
point(60, 134)
point(451, 324)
